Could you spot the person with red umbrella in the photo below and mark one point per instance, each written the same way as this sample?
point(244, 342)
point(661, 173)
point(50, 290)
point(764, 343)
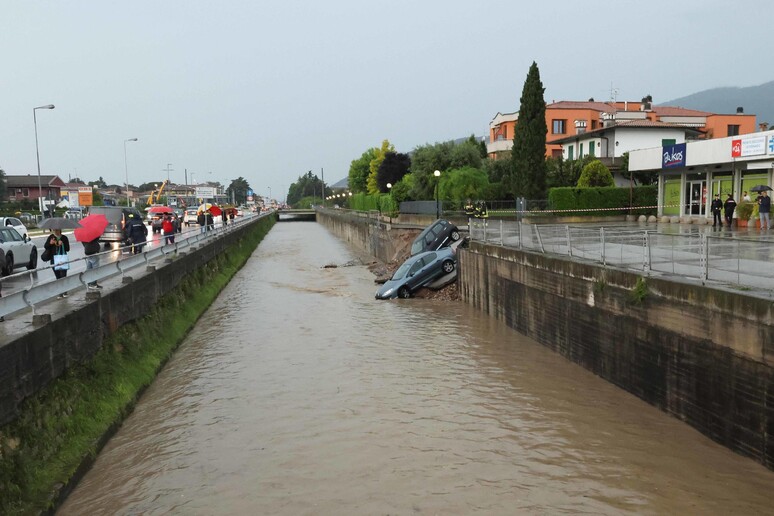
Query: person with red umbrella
point(89, 234)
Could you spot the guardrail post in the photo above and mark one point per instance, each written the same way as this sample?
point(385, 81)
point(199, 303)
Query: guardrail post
point(602, 240)
point(502, 236)
point(520, 228)
point(540, 240)
point(646, 252)
point(569, 242)
point(704, 256)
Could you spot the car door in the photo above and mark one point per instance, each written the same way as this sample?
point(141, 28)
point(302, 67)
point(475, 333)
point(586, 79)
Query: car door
point(425, 271)
point(413, 275)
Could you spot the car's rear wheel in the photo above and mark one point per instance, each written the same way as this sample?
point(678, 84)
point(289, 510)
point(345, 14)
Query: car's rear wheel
point(33, 264)
point(448, 266)
point(455, 235)
point(8, 264)
point(403, 292)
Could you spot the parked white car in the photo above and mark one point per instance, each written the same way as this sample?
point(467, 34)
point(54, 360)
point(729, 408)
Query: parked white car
point(190, 217)
point(15, 223)
point(19, 251)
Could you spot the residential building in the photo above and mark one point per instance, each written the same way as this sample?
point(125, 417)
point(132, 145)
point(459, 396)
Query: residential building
point(584, 127)
point(20, 188)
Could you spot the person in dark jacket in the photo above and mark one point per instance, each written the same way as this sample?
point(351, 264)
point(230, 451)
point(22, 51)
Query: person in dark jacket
point(136, 232)
point(728, 207)
point(57, 243)
point(210, 222)
point(716, 206)
point(764, 208)
point(202, 221)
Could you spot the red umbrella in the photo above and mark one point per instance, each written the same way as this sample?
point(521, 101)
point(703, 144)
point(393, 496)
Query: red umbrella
point(215, 210)
point(160, 209)
point(92, 227)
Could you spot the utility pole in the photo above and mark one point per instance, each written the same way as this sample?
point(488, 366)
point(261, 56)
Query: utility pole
point(169, 170)
point(322, 174)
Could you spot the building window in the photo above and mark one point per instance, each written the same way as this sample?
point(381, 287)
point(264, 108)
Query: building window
point(559, 127)
point(594, 124)
point(733, 130)
point(25, 192)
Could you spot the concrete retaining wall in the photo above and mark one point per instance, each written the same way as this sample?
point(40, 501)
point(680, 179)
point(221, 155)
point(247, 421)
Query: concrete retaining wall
point(35, 358)
point(369, 235)
point(704, 355)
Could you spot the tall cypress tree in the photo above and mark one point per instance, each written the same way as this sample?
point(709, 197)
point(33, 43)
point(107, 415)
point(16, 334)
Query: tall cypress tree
point(528, 176)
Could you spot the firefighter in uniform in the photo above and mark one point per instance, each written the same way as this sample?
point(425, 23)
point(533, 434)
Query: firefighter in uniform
point(470, 210)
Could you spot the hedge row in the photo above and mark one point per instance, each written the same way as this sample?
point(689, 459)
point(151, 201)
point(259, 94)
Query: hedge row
point(584, 200)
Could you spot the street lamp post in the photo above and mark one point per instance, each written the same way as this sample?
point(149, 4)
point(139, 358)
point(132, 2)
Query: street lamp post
point(126, 170)
point(437, 175)
point(37, 154)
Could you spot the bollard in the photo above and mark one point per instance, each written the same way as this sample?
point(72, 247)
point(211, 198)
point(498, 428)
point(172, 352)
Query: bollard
point(41, 319)
point(127, 279)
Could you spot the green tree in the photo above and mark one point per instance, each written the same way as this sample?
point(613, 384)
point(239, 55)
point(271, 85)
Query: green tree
point(595, 174)
point(237, 190)
point(463, 183)
point(307, 186)
point(466, 154)
point(529, 140)
point(358, 171)
point(392, 169)
point(401, 191)
point(373, 167)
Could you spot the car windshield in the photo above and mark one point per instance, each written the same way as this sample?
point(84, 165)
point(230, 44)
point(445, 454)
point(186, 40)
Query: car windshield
point(401, 272)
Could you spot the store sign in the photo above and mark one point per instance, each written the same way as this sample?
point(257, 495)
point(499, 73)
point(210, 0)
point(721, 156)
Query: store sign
point(85, 196)
point(205, 192)
point(771, 144)
point(673, 156)
point(753, 146)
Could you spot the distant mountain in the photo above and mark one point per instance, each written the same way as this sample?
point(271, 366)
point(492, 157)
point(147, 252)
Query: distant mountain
point(756, 100)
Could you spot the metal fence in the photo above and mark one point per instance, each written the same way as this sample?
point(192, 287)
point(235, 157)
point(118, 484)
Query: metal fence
point(730, 259)
point(38, 291)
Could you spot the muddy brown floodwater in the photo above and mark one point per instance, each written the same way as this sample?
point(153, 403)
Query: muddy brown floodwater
point(298, 393)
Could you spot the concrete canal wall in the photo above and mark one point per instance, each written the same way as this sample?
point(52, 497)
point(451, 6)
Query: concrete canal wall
point(702, 354)
point(65, 386)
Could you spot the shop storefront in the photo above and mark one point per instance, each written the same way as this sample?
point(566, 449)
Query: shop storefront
point(690, 174)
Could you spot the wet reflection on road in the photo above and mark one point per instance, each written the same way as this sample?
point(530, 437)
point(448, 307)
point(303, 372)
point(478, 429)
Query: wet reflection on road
point(298, 393)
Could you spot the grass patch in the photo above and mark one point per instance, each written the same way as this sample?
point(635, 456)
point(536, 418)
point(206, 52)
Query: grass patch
point(65, 423)
point(640, 291)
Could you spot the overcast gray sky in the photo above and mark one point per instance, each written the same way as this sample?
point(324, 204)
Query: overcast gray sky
point(270, 90)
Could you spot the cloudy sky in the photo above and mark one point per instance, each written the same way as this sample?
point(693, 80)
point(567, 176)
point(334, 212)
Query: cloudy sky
point(270, 90)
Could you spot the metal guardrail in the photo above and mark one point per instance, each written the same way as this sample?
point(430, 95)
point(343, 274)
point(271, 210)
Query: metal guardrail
point(39, 292)
point(735, 260)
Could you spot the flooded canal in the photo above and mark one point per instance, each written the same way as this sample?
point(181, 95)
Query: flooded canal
point(298, 393)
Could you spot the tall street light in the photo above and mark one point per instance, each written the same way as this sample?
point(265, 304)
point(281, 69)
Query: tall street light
point(437, 175)
point(269, 193)
point(37, 154)
point(126, 169)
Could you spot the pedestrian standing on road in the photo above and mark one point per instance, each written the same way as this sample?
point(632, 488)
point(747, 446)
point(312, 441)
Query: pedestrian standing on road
point(201, 221)
point(91, 250)
point(137, 233)
point(231, 215)
point(716, 206)
point(58, 244)
point(210, 222)
point(168, 228)
point(224, 218)
point(764, 208)
point(729, 207)
point(745, 197)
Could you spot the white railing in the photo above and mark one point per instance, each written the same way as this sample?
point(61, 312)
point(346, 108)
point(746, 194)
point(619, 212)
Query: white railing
point(41, 291)
point(726, 257)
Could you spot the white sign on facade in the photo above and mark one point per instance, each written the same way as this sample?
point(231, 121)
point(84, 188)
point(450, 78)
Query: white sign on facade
point(742, 147)
point(771, 144)
point(205, 192)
